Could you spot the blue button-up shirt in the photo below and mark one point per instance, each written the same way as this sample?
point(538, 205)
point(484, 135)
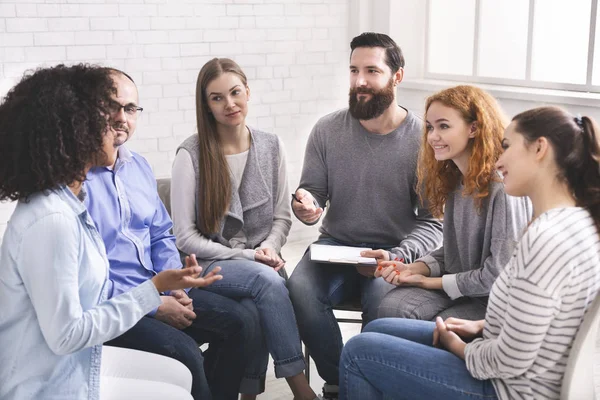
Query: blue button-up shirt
point(132, 220)
point(54, 312)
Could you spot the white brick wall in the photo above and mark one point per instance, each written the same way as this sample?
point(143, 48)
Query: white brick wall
point(295, 53)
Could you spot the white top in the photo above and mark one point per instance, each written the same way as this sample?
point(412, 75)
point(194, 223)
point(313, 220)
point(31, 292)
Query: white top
point(537, 305)
point(237, 164)
point(183, 207)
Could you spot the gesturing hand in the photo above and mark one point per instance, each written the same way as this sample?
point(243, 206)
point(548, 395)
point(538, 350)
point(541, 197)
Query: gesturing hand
point(173, 279)
point(304, 207)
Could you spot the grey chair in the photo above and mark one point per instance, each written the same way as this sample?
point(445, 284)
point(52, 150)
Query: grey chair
point(584, 359)
point(164, 192)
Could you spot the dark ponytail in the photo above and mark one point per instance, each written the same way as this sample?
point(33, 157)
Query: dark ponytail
point(587, 181)
point(576, 147)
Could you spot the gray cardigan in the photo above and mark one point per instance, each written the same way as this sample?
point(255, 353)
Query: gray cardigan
point(254, 208)
point(477, 246)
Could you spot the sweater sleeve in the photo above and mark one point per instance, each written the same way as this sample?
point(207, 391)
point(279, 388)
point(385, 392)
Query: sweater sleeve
point(435, 262)
point(509, 216)
point(282, 216)
point(314, 171)
point(425, 235)
point(183, 210)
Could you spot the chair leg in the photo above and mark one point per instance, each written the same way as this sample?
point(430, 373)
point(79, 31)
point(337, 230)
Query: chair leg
point(307, 362)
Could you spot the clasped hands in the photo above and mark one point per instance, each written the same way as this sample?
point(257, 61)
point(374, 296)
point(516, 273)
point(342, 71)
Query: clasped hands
point(452, 333)
point(269, 257)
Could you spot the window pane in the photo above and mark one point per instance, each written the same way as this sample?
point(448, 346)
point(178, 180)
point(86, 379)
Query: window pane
point(596, 70)
point(451, 34)
point(560, 40)
point(503, 38)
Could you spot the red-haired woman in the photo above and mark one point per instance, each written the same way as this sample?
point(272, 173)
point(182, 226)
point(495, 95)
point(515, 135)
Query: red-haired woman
point(457, 177)
point(536, 305)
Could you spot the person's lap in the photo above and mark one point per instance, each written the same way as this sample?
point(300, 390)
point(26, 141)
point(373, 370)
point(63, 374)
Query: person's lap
point(315, 288)
point(249, 279)
point(426, 304)
point(219, 321)
point(395, 358)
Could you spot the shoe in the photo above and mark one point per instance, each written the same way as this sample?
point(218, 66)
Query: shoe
point(330, 392)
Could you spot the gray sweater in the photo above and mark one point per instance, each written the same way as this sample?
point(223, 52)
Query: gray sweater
point(477, 246)
point(367, 181)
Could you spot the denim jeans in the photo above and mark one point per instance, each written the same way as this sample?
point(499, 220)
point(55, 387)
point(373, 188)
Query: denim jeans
point(246, 280)
point(314, 289)
point(394, 358)
point(223, 323)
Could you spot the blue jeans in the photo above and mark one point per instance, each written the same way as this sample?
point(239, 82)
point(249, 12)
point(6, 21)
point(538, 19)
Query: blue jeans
point(263, 292)
point(394, 358)
point(223, 323)
point(314, 289)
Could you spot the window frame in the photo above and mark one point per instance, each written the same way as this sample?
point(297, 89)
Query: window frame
point(527, 82)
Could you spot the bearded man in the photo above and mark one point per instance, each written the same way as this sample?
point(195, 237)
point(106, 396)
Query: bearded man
point(359, 165)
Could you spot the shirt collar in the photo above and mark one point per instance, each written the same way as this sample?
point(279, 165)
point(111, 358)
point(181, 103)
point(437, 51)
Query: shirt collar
point(69, 197)
point(123, 156)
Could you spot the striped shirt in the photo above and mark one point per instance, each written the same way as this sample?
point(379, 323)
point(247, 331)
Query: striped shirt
point(537, 305)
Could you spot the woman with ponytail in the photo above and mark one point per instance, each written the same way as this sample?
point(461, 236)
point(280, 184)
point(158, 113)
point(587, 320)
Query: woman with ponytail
point(537, 303)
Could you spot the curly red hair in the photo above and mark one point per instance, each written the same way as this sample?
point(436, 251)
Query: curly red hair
point(437, 179)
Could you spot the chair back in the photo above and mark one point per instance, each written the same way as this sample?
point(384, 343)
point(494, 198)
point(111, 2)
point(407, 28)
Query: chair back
point(164, 192)
point(578, 382)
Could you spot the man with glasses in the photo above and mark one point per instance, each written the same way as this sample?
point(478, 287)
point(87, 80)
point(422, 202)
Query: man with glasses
point(136, 230)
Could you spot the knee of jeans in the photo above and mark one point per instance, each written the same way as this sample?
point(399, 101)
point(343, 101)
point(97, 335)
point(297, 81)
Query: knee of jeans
point(392, 309)
point(268, 276)
point(374, 326)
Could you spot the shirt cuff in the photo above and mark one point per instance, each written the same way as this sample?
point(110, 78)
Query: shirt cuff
point(434, 267)
point(248, 254)
point(147, 296)
point(450, 286)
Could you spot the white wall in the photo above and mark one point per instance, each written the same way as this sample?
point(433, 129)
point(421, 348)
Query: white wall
point(295, 53)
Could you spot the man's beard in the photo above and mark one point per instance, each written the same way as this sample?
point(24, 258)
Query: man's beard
point(373, 108)
point(119, 139)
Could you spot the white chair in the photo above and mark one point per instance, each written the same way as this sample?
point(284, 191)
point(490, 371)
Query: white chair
point(127, 374)
point(578, 382)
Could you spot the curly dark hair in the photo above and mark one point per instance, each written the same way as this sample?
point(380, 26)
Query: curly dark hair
point(51, 128)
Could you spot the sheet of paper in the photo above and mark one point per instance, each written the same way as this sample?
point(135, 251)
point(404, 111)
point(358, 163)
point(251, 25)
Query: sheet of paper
point(339, 254)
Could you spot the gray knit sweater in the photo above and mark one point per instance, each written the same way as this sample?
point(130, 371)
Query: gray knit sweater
point(477, 245)
point(367, 181)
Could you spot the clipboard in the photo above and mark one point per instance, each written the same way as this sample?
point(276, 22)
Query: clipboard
point(323, 253)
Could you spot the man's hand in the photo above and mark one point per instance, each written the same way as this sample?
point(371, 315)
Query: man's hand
point(174, 313)
point(269, 257)
point(379, 255)
point(389, 269)
point(465, 328)
point(367, 270)
point(448, 340)
point(304, 207)
point(182, 298)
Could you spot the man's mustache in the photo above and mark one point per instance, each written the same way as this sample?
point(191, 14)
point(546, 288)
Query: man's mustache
point(362, 91)
point(121, 128)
